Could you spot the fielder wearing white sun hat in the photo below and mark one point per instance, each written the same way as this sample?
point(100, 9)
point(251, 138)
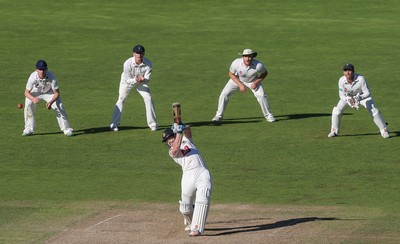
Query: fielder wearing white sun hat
point(245, 73)
point(248, 52)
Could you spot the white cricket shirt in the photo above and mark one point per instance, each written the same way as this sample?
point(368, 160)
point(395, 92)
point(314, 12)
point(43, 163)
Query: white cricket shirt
point(38, 85)
point(359, 86)
point(188, 156)
point(247, 73)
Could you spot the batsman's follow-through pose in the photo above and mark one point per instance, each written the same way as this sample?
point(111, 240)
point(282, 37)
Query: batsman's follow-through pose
point(245, 73)
point(353, 91)
point(136, 75)
point(43, 85)
point(196, 179)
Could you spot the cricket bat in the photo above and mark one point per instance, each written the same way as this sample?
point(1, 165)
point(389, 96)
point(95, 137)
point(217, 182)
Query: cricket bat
point(176, 112)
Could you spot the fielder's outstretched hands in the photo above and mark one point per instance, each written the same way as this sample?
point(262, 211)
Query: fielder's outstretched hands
point(36, 100)
point(48, 106)
point(139, 78)
point(352, 102)
point(255, 86)
point(242, 88)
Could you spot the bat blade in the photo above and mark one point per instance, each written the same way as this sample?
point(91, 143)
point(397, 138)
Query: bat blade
point(176, 112)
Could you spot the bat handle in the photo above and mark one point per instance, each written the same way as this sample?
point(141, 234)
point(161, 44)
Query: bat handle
point(178, 120)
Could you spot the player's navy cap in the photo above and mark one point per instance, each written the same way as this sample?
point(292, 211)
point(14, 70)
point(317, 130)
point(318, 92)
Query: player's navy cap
point(167, 133)
point(41, 64)
point(138, 49)
point(348, 67)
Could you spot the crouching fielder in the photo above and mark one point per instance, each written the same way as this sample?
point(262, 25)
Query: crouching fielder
point(196, 179)
point(353, 92)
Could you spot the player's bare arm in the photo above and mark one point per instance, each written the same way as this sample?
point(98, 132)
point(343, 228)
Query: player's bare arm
point(55, 97)
point(28, 94)
point(242, 87)
point(176, 144)
point(257, 81)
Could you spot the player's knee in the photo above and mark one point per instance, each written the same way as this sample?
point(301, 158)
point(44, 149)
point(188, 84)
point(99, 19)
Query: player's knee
point(336, 111)
point(203, 195)
point(224, 95)
point(374, 111)
point(120, 101)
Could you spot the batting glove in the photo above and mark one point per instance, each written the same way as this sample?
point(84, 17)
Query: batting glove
point(180, 128)
point(174, 127)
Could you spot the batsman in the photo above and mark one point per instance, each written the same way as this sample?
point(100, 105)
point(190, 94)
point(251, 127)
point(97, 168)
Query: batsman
point(196, 179)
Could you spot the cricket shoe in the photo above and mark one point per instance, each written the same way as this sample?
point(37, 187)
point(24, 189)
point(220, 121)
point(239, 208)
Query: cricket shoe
point(69, 132)
point(216, 119)
point(113, 127)
point(332, 134)
point(270, 118)
point(194, 232)
point(27, 133)
point(385, 133)
point(155, 128)
point(187, 228)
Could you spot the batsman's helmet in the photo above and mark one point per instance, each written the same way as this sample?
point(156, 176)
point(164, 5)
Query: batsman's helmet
point(167, 133)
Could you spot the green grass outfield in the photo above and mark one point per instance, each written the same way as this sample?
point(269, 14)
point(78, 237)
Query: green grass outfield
point(192, 43)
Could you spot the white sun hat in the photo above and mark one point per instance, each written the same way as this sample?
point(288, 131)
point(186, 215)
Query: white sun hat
point(248, 52)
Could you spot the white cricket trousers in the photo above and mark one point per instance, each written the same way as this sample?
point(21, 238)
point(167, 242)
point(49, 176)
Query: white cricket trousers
point(232, 87)
point(196, 185)
point(144, 90)
point(368, 103)
point(57, 106)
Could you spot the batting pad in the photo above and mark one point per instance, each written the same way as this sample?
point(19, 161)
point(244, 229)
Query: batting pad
point(199, 216)
point(187, 211)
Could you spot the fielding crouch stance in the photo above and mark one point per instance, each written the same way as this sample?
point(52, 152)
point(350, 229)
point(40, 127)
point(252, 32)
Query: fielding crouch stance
point(42, 84)
point(135, 75)
point(196, 179)
point(353, 91)
point(245, 73)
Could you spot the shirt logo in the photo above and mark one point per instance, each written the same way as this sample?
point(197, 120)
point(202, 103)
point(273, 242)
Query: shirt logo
point(185, 150)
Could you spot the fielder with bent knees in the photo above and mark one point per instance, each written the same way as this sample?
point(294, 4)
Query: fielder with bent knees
point(196, 179)
point(135, 75)
point(354, 91)
point(43, 85)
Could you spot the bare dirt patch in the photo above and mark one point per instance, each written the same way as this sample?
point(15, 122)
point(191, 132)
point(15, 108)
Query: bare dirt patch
point(162, 223)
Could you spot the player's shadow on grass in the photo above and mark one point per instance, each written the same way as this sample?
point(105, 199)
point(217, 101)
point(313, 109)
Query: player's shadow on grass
point(93, 130)
point(304, 116)
point(392, 134)
point(261, 227)
point(261, 119)
point(106, 129)
point(227, 121)
point(47, 133)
